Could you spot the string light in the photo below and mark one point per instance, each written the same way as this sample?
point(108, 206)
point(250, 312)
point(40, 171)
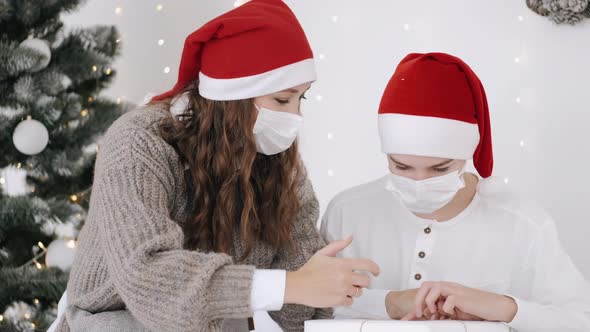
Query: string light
point(2, 181)
point(73, 198)
point(166, 70)
point(330, 172)
point(108, 71)
point(33, 189)
point(27, 316)
point(406, 27)
point(119, 100)
point(36, 301)
point(517, 60)
point(33, 325)
point(159, 7)
point(322, 56)
point(119, 10)
point(330, 136)
point(335, 18)
point(38, 265)
point(520, 18)
point(118, 40)
point(19, 165)
point(41, 245)
point(71, 244)
point(94, 68)
point(506, 180)
point(522, 144)
point(161, 42)
point(84, 112)
point(518, 100)
point(1, 318)
point(90, 99)
point(319, 97)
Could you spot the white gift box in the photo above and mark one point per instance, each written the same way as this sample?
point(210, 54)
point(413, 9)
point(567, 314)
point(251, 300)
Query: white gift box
point(361, 325)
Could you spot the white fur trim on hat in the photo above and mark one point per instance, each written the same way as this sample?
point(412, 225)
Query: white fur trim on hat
point(258, 85)
point(427, 136)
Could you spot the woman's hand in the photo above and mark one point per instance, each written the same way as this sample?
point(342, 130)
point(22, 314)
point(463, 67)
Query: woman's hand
point(453, 301)
point(326, 281)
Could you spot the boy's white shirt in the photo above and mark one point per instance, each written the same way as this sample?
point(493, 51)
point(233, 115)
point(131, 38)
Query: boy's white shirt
point(499, 243)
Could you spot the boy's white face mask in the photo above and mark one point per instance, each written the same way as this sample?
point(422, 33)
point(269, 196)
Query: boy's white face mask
point(428, 195)
point(275, 131)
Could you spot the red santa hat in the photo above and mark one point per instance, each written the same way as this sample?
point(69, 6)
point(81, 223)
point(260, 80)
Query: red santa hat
point(254, 50)
point(434, 105)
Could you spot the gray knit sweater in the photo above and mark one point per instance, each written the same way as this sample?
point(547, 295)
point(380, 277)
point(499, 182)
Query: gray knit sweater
point(131, 272)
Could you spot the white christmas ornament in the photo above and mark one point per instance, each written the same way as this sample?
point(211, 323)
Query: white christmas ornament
point(41, 47)
point(30, 137)
point(60, 253)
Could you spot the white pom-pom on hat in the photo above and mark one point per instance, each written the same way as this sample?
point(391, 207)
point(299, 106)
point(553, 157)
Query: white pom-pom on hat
point(493, 186)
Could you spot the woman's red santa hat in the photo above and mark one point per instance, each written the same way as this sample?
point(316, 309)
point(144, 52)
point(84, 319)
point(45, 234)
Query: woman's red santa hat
point(256, 49)
point(435, 106)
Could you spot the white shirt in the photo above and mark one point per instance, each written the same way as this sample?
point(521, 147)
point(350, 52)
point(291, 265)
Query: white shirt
point(499, 243)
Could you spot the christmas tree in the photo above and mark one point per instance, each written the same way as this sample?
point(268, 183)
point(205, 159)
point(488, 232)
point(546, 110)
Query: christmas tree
point(51, 115)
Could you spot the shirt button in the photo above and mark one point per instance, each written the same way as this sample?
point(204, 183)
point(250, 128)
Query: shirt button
point(422, 254)
point(427, 230)
point(418, 276)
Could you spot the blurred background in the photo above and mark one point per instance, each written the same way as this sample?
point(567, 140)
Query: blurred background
point(533, 69)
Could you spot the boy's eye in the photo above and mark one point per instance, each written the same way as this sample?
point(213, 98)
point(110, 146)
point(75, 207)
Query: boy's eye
point(401, 168)
point(282, 101)
point(441, 170)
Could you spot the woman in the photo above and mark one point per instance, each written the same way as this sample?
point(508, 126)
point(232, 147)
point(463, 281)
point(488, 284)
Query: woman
point(194, 219)
point(452, 245)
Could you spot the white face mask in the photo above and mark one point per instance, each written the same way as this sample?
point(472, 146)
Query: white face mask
point(275, 131)
point(428, 195)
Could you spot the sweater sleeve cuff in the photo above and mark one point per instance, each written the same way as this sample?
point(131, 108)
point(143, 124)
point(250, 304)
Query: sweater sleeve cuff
point(268, 290)
point(229, 292)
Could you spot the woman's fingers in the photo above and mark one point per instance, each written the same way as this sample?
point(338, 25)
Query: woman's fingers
point(361, 280)
point(359, 264)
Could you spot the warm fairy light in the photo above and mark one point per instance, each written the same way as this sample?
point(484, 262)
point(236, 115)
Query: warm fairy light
point(160, 42)
point(71, 244)
point(166, 70)
point(73, 198)
point(522, 144)
point(330, 172)
point(319, 97)
point(118, 40)
point(159, 7)
point(38, 265)
point(517, 60)
point(41, 245)
point(19, 165)
point(33, 189)
point(27, 316)
point(119, 100)
point(94, 68)
point(406, 27)
point(119, 10)
point(520, 18)
point(1, 318)
point(33, 325)
point(330, 136)
point(518, 100)
point(36, 301)
point(322, 56)
point(108, 71)
point(84, 112)
point(335, 18)
point(2, 181)
point(90, 99)
point(506, 180)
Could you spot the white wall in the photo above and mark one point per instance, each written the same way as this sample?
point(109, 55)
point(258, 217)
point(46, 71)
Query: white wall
point(362, 41)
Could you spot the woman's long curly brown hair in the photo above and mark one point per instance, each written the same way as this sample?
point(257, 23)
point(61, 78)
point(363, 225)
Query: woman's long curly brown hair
point(234, 187)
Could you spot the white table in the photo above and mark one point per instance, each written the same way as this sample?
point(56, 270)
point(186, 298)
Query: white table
point(359, 325)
